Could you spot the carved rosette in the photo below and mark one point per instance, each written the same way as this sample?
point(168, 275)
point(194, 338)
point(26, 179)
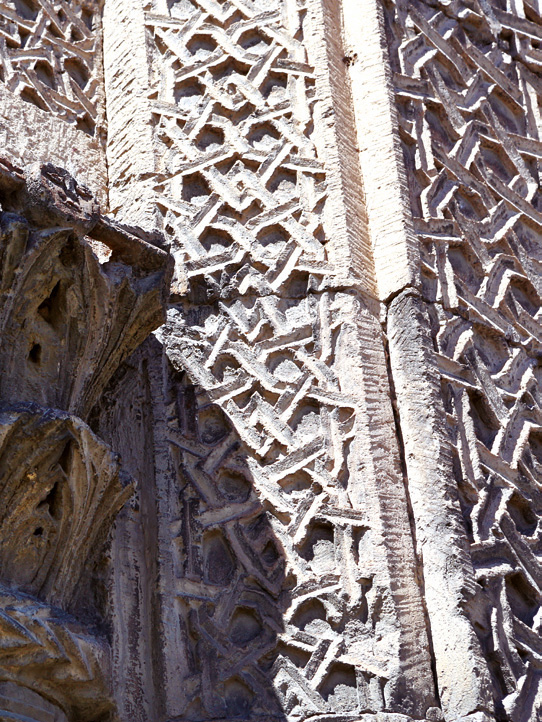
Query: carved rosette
point(77, 295)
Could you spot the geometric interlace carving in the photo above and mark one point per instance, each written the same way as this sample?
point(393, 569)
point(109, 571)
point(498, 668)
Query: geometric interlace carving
point(468, 85)
point(242, 190)
point(48, 56)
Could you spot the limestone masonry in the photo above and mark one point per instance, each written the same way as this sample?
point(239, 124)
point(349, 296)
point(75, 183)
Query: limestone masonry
point(270, 361)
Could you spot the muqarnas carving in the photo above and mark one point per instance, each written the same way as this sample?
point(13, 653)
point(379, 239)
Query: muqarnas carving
point(77, 295)
point(60, 490)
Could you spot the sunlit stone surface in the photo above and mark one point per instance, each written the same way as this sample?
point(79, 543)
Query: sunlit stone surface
point(271, 342)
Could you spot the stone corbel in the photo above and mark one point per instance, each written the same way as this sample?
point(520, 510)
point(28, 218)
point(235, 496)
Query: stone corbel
point(78, 293)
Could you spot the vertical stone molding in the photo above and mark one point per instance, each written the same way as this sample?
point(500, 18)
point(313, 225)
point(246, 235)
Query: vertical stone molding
point(466, 81)
point(131, 158)
point(394, 243)
point(441, 541)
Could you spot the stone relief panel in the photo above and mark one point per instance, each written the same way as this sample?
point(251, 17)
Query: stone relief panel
point(268, 592)
point(62, 494)
point(52, 667)
point(293, 493)
point(50, 56)
point(221, 569)
point(275, 537)
point(232, 97)
point(232, 572)
point(468, 87)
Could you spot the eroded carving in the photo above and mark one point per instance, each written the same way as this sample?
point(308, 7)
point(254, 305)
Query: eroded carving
point(77, 295)
point(50, 654)
point(298, 422)
point(60, 489)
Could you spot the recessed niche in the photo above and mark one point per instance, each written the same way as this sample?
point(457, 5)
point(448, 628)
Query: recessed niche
point(187, 94)
point(50, 308)
point(319, 541)
point(524, 518)
point(245, 627)
point(34, 355)
point(210, 138)
point(218, 561)
point(297, 656)
point(522, 597)
point(195, 189)
point(77, 71)
point(216, 240)
point(339, 687)
point(213, 425)
point(309, 611)
point(201, 46)
point(254, 41)
point(283, 181)
point(273, 235)
point(234, 486)
point(239, 698)
point(29, 95)
point(45, 73)
point(274, 87)
point(263, 136)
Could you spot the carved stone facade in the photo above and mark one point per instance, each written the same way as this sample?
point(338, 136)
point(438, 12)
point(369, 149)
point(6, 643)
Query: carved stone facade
point(271, 342)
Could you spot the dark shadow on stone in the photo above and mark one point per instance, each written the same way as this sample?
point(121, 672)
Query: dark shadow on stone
point(194, 556)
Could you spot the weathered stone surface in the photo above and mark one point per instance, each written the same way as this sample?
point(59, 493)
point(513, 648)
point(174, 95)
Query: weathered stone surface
point(78, 293)
point(254, 178)
point(58, 667)
point(449, 582)
point(332, 446)
point(51, 141)
point(51, 57)
point(51, 87)
point(60, 488)
point(467, 90)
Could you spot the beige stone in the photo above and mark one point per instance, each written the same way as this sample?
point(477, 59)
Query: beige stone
point(270, 417)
